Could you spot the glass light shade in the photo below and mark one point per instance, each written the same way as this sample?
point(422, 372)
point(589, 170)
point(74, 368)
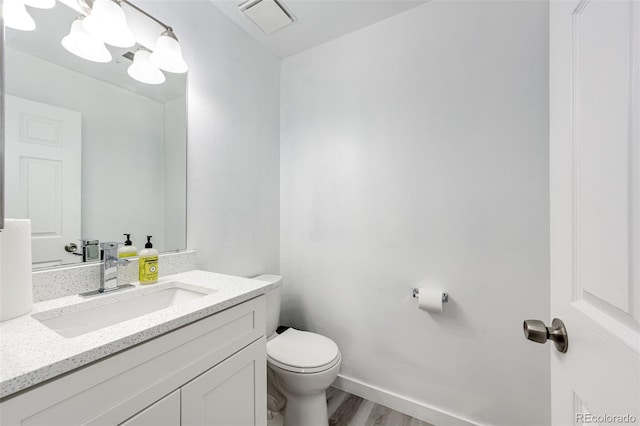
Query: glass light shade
point(143, 70)
point(107, 23)
point(40, 4)
point(16, 16)
point(82, 44)
point(168, 55)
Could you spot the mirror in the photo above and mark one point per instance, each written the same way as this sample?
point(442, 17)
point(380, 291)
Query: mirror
point(91, 154)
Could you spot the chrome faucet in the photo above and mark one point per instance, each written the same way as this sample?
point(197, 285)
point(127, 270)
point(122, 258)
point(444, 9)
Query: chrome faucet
point(109, 263)
point(109, 266)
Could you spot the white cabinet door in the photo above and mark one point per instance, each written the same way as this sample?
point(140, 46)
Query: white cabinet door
point(595, 209)
point(233, 393)
point(43, 176)
point(165, 412)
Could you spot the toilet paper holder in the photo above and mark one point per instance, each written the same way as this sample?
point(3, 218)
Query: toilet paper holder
point(445, 296)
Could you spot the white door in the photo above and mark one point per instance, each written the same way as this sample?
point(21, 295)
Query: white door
point(595, 210)
point(43, 173)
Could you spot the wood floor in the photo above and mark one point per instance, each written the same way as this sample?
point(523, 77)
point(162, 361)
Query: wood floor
point(346, 409)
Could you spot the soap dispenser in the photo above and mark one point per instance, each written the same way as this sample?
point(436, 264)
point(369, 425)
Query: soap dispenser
point(128, 249)
point(148, 263)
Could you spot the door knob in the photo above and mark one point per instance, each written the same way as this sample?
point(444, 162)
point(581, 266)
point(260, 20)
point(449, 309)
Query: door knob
point(536, 331)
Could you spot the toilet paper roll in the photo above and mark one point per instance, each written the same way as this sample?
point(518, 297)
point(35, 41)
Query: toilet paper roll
point(430, 300)
point(16, 291)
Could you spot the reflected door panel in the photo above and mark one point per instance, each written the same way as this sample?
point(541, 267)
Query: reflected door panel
point(43, 167)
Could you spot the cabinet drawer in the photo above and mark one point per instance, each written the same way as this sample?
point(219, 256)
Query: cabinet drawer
point(112, 390)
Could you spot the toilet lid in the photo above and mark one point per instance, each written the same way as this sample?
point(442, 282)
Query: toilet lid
point(302, 349)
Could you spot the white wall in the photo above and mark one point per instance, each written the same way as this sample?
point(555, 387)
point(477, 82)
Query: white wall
point(175, 173)
point(414, 153)
point(122, 149)
point(233, 143)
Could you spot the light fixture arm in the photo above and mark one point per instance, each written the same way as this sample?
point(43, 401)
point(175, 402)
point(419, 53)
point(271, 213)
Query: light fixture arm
point(153, 18)
point(86, 6)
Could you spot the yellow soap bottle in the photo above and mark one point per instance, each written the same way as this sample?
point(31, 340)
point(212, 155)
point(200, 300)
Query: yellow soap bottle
point(148, 263)
point(128, 249)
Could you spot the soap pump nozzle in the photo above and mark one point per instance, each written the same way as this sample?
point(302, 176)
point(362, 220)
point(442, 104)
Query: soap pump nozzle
point(128, 240)
point(148, 244)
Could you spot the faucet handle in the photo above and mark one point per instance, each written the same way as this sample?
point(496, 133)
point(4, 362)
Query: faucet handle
point(110, 245)
point(109, 250)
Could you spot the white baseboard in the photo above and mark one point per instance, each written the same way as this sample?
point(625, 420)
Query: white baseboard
point(413, 408)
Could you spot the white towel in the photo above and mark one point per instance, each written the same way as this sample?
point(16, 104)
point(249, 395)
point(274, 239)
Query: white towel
point(16, 290)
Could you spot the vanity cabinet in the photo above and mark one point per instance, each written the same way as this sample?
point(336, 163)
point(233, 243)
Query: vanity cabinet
point(165, 412)
point(209, 372)
point(229, 393)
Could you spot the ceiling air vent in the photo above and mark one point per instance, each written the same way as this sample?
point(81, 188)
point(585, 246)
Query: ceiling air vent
point(268, 15)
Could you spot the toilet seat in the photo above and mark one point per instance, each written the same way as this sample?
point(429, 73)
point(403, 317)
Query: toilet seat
point(301, 370)
point(302, 352)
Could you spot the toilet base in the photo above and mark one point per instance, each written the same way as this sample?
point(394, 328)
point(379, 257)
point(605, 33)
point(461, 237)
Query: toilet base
point(306, 403)
point(306, 410)
point(305, 393)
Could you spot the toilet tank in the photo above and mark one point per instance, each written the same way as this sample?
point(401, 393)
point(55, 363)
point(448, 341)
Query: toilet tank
point(274, 299)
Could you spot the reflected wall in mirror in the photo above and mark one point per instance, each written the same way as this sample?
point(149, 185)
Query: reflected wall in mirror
point(90, 153)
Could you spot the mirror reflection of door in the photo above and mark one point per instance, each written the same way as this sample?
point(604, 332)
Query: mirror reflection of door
point(43, 175)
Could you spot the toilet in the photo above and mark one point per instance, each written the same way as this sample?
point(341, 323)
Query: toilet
point(304, 364)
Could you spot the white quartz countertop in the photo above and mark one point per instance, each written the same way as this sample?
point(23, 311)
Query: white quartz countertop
point(31, 353)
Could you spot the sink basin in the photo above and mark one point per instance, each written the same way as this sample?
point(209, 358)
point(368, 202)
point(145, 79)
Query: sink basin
point(91, 318)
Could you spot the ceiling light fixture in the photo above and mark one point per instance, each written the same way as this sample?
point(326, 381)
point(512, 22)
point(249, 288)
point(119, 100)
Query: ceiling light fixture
point(168, 54)
point(82, 44)
point(107, 23)
point(143, 70)
point(16, 16)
